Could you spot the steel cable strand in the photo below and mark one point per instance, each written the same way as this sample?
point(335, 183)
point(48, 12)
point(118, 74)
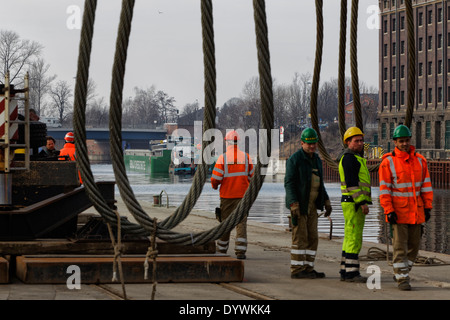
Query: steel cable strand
point(242, 209)
point(341, 69)
point(411, 63)
point(210, 88)
point(116, 151)
point(79, 122)
point(354, 64)
point(115, 121)
point(115, 116)
point(315, 84)
point(354, 72)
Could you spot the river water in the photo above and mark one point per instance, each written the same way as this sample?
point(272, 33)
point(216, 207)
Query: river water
point(269, 205)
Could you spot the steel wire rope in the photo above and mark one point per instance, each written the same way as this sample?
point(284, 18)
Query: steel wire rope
point(267, 123)
point(341, 69)
point(82, 159)
point(315, 84)
point(116, 114)
point(411, 63)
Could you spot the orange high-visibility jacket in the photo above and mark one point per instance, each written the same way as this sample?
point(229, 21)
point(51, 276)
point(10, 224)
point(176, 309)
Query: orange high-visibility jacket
point(69, 150)
point(405, 186)
point(233, 173)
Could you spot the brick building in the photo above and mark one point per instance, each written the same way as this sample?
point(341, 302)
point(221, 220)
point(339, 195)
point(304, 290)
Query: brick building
point(431, 119)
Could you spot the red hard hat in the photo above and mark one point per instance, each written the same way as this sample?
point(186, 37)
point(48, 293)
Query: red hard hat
point(232, 135)
point(69, 137)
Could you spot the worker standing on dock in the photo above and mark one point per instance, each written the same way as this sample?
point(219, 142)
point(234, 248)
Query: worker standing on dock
point(406, 196)
point(68, 151)
point(232, 171)
point(356, 196)
point(305, 193)
point(69, 147)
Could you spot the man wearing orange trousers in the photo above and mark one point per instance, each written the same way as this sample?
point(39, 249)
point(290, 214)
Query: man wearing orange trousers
point(232, 171)
point(406, 196)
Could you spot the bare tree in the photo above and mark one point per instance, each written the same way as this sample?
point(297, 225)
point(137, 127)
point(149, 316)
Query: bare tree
point(40, 84)
point(97, 114)
point(15, 55)
point(60, 95)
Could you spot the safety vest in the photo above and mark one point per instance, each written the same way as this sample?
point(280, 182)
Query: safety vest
point(68, 150)
point(405, 186)
point(359, 193)
point(233, 173)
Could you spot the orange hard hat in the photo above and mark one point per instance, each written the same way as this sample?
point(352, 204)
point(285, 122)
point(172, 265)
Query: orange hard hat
point(69, 137)
point(232, 136)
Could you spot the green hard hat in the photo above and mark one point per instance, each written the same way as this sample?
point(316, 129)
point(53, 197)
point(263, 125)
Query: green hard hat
point(309, 135)
point(401, 131)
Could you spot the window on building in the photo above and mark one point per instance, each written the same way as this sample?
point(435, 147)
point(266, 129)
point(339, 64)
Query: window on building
point(394, 24)
point(447, 134)
point(430, 68)
point(394, 98)
point(420, 71)
point(385, 99)
point(402, 47)
point(402, 97)
point(440, 66)
point(420, 44)
point(402, 23)
point(448, 94)
point(430, 17)
point(391, 129)
point(383, 130)
point(385, 50)
point(385, 26)
point(394, 72)
point(439, 41)
point(385, 74)
point(420, 96)
point(439, 15)
point(402, 71)
point(430, 95)
point(430, 42)
point(428, 130)
point(420, 19)
point(439, 95)
point(394, 48)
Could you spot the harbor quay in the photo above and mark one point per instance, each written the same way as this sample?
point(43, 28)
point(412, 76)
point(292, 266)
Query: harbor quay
point(266, 272)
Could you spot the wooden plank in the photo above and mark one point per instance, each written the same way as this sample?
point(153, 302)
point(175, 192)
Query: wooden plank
point(63, 246)
point(178, 269)
point(4, 270)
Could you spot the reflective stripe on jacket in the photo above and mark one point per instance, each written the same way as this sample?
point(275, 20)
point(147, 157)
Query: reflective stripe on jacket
point(362, 192)
point(405, 186)
point(232, 173)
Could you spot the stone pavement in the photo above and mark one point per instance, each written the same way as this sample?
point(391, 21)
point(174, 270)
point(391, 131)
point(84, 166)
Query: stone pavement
point(267, 274)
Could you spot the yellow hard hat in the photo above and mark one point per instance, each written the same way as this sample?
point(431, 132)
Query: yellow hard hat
point(352, 131)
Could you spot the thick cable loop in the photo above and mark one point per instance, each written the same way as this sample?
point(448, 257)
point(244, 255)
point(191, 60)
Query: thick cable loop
point(119, 68)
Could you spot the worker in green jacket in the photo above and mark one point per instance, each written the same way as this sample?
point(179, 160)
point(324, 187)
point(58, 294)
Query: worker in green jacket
point(305, 194)
point(356, 196)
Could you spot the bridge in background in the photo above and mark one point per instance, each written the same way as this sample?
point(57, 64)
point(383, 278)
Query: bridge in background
point(97, 140)
point(133, 138)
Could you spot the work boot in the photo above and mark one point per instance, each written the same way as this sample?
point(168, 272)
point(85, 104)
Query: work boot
point(358, 278)
point(404, 286)
point(303, 275)
point(318, 274)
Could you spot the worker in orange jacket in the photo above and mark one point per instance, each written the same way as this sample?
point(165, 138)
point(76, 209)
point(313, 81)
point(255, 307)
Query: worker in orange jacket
point(68, 151)
point(406, 196)
point(232, 171)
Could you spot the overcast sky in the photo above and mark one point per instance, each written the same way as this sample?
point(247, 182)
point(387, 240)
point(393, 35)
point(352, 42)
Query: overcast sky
point(166, 42)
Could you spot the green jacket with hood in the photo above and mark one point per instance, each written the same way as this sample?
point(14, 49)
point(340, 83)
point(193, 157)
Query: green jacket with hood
point(297, 180)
